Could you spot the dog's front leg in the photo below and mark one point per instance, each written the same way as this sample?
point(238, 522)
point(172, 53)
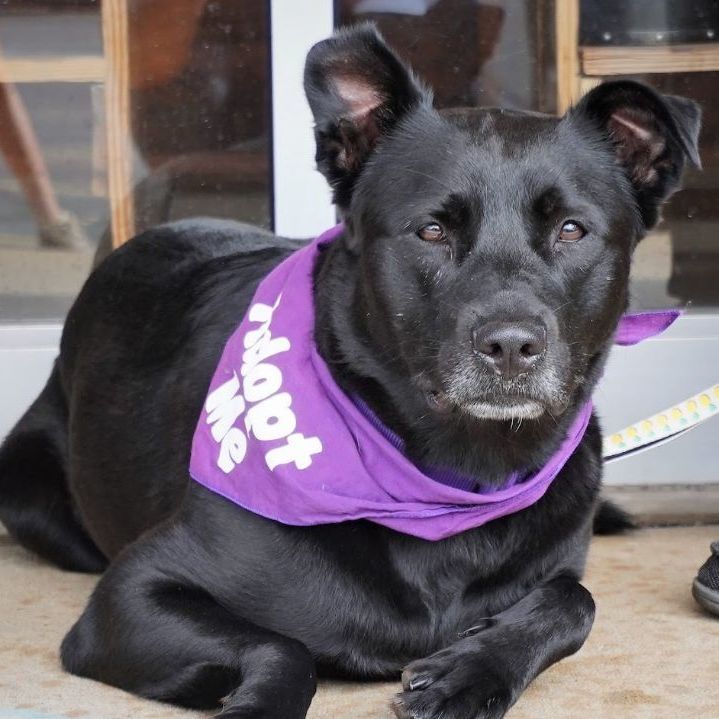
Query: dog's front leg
point(482, 675)
point(149, 633)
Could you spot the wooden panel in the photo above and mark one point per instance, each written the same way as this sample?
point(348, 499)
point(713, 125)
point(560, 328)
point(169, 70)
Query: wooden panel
point(117, 116)
point(588, 83)
point(82, 68)
point(701, 57)
point(566, 28)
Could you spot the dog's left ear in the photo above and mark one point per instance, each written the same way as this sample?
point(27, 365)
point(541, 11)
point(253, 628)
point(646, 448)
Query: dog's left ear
point(358, 90)
point(653, 135)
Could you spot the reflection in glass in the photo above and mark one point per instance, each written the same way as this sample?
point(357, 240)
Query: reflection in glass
point(199, 73)
point(197, 81)
point(470, 53)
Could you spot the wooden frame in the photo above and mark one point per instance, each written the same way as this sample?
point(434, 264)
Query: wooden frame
point(117, 120)
point(581, 68)
point(113, 72)
point(80, 68)
point(699, 57)
point(566, 32)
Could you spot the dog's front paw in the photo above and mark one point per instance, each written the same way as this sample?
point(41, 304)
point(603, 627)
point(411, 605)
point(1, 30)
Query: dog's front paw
point(257, 711)
point(454, 684)
point(273, 701)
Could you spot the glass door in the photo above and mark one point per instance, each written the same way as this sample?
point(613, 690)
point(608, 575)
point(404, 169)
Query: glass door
point(116, 116)
point(134, 115)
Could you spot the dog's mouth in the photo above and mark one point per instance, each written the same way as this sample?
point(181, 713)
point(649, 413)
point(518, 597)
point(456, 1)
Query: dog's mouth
point(464, 391)
point(500, 404)
point(509, 407)
point(476, 396)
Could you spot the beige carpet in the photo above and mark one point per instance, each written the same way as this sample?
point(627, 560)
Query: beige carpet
point(652, 653)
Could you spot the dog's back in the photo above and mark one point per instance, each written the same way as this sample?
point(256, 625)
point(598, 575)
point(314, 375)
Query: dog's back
point(148, 309)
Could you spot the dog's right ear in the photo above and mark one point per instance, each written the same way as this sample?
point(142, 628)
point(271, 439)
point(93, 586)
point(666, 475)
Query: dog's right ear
point(652, 135)
point(358, 90)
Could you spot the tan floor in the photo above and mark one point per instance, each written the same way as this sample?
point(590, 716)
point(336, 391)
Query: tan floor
point(652, 653)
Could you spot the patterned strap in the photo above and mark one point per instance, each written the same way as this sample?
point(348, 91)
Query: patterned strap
point(664, 426)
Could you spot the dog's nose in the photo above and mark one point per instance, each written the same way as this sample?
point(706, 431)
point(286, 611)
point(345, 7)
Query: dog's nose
point(510, 348)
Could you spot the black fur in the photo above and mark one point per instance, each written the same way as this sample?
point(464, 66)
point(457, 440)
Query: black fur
point(610, 518)
point(204, 602)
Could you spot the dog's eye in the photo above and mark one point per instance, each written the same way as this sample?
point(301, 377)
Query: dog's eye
point(431, 233)
point(571, 232)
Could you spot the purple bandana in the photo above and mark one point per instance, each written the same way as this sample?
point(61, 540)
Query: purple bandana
point(280, 438)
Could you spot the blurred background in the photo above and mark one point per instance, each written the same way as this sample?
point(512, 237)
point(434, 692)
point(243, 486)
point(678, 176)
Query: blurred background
point(121, 114)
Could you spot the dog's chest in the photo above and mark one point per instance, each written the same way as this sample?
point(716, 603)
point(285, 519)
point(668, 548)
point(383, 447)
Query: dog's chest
point(419, 598)
point(445, 575)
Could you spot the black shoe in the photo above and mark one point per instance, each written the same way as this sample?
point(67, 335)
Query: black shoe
point(706, 584)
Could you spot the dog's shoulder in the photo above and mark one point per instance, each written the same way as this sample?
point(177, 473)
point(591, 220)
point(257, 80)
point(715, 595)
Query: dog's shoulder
point(199, 240)
point(176, 256)
point(195, 273)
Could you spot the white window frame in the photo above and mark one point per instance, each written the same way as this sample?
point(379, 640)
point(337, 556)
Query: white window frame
point(302, 203)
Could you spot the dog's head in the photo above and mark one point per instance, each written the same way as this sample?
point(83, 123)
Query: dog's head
point(492, 248)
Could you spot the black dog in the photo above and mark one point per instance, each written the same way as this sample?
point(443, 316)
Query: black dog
point(471, 303)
